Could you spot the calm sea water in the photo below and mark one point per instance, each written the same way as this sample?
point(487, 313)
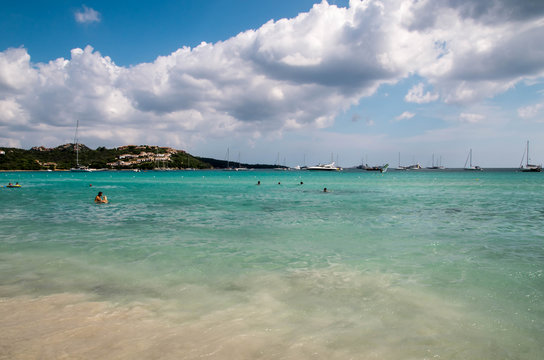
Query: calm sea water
point(192, 264)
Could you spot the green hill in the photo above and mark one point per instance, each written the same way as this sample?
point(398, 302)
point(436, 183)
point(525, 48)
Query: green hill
point(63, 157)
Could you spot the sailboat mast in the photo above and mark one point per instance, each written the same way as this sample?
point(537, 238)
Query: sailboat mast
point(527, 153)
point(77, 145)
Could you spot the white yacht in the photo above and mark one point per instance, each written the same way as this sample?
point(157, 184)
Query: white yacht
point(324, 167)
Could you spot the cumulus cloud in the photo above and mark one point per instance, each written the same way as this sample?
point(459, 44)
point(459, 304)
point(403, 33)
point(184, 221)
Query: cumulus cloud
point(405, 115)
point(288, 75)
point(417, 95)
point(87, 15)
point(16, 74)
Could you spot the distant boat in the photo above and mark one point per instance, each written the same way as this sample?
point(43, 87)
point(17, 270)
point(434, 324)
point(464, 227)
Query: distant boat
point(416, 166)
point(324, 167)
point(528, 167)
point(374, 168)
point(400, 167)
point(437, 166)
point(240, 168)
point(228, 168)
point(78, 167)
point(469, 160)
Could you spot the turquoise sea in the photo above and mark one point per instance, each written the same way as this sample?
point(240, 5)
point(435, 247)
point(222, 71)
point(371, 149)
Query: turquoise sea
point(207, 264)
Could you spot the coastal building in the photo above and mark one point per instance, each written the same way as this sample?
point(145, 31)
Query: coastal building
point(40, 148)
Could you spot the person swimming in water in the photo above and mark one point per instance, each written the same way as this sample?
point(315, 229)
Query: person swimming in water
point(99, 199)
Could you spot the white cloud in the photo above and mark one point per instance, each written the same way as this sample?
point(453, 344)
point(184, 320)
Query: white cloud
point(405, 115)
point(87, 15)
point(16, 74)
point(289, 75)
point(471, 118)
point(416, 95)
point(531, 111)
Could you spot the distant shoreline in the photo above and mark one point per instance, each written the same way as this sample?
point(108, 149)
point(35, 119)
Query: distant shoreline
point(221, 169)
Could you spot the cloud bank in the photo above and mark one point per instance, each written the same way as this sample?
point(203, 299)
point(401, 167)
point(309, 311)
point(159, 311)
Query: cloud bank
point(288, 75)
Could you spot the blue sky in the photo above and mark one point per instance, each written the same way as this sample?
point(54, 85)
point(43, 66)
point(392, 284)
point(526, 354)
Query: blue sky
point(305, 79)
point(131, 32)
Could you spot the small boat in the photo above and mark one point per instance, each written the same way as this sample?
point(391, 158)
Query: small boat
point(81, 168)
point(528, 167)
point(381, 169)
point(414, 167)
point(471, 167)
point(324, 167)
point(13, 186)
point(373, 168)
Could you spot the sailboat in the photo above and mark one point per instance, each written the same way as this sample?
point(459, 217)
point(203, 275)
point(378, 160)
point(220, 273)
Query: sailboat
point(400, 167)
point(240, 167)
point(528, 167)
point(228, 168)
point(437, 166)
point(476, 168)
point(78, 168)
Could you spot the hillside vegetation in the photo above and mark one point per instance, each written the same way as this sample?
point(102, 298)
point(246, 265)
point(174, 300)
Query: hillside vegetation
point(63, 157)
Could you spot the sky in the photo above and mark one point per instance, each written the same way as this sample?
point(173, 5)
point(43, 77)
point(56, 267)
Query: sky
point(295, 82)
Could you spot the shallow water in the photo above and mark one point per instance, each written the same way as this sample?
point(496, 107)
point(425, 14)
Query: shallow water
point(401, 265)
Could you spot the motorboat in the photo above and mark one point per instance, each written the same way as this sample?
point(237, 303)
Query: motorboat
point(324, 167)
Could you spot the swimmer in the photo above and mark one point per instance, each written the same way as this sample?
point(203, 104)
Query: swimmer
point(99, 199)
point(259, 182)
point(325, 190)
